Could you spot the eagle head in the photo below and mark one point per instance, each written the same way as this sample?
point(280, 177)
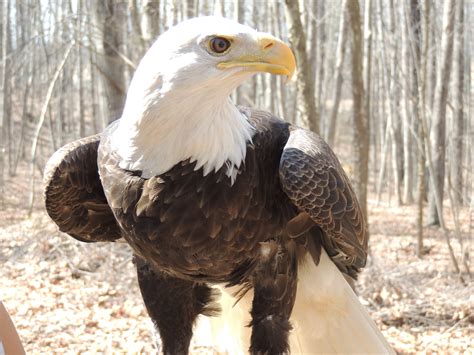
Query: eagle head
point(178, 105)
point(211, 52)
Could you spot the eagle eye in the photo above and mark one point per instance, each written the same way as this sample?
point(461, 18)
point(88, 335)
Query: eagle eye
point(219, 45)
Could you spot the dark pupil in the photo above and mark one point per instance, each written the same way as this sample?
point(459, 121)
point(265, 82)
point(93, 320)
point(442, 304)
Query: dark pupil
point(219, 45)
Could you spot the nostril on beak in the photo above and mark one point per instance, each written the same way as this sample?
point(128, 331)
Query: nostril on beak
point(269, 45)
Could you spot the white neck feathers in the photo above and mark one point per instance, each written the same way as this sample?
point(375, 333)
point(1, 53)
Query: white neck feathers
point(180, 125)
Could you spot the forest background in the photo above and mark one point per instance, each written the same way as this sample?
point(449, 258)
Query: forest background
point(387, 83)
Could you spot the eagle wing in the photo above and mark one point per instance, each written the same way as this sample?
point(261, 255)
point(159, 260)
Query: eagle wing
point(74, 196)
point(315, 182)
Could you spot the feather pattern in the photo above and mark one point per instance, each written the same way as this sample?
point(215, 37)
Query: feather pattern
point(207, 193)
point(74, 197)
point(315, 182)
point(290, 201)
point(203, 226)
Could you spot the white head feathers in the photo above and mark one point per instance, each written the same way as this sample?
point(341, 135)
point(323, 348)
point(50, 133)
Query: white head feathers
point(178, 104)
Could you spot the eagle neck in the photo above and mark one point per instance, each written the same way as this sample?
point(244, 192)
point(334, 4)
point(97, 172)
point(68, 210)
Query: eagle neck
point(209, 130)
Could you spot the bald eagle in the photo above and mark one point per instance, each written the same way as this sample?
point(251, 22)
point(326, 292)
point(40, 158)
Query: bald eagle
point(230, 212)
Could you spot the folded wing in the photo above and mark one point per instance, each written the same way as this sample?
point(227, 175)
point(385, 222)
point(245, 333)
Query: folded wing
point(74, 196)
point(316, 183)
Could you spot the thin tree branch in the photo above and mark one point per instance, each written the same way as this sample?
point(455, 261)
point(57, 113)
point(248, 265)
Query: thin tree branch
point(42, 117)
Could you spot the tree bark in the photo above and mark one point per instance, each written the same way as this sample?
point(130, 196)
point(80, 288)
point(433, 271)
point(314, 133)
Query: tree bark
point(239, 16)
point(433, 61)
point(282, 98)
point(190, 9)
point(367, 58)
point(361, 131)
point(137, 41)
point(82, 118)
point(219, 8)
point(395, 128)
point(4, 99)
point(458, 107)
point(340, 53)
point(96, 119)
point(409, 95)
point(321, 63)
point(150, 20)
point(305, 83)
point(111, 17)
point(438, 127)
point(7, 89)
point(418, 73)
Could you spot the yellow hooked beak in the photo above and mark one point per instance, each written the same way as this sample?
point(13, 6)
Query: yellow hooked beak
point(272, 56)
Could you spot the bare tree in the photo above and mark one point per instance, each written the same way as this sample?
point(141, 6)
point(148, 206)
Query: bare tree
point(340, 52)
point(4, 98)
point(418, 97)
point(82, 116)
point(367, 57)
point(111, 16)
point(239, 16)
point(360, 138)
point(409, 95)
point(40, 123)
point(394, 102)
point(306, 102)
point(391, 136)
point(438, 127)
point(457, 132)
point(150, 20)
point(320, 63)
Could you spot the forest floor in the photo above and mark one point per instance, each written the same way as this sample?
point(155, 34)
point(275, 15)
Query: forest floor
point(70, 297)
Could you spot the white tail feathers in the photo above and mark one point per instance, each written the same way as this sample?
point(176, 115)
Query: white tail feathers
point(327, 317)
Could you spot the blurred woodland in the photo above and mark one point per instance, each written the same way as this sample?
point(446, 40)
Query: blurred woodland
point(387, 83)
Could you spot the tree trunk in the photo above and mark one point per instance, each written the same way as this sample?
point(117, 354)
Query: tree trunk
point(282, 97)
point(219, 8)
point(458, 107)
point(190, 9)
point(305, 83)
point(367, 58)
point(340, 52)
point(111, 17)
point(394, 90)
point(96, 119)
point(360, 138)
point(255, 78)
point(137, 41)
point(321, 43)
point(82, 118)
point(386, 130)
point(150, 23)
point(418, 83)
point(239, 16)
point(408, 109)
point(312, 30)
point(7, 89)
point(438, 127)
point(4, 99)
point(433, 62)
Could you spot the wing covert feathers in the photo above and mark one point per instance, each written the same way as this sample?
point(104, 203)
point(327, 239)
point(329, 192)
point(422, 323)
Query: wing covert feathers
point(74, 196)
point(315, 182)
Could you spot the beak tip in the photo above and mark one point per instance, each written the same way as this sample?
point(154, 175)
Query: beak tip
point(290, 78)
